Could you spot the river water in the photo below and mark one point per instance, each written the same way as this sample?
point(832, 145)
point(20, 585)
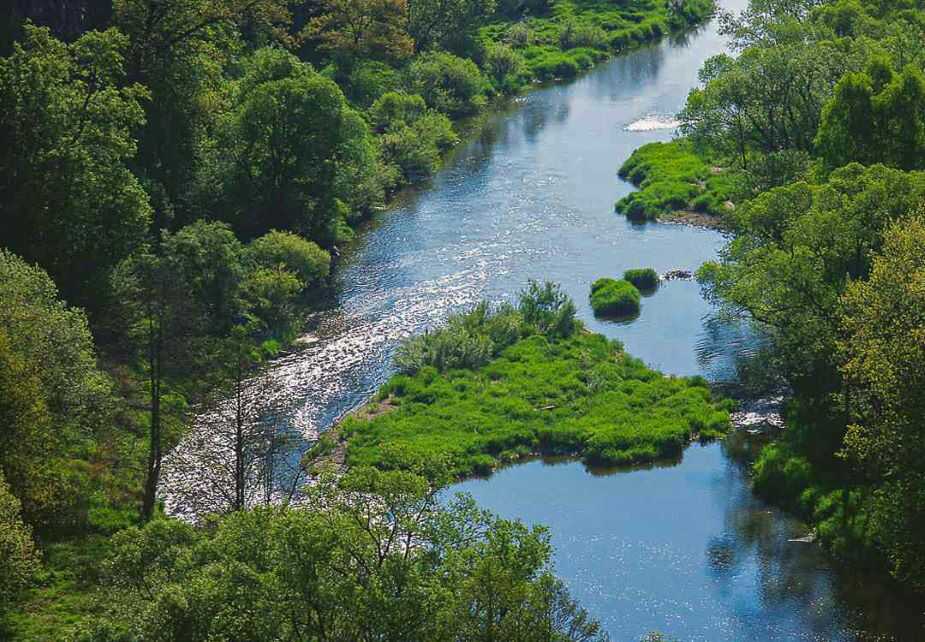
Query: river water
point(682, 548)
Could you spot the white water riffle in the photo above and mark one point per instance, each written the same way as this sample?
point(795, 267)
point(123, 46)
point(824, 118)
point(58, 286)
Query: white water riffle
point(653, 122)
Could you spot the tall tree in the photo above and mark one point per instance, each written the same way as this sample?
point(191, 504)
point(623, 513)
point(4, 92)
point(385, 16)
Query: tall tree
point(876, 117)
point(797, 248)
point(67, 198)
point(354, 29)
point(178, 51)
point(373, 556)
point(282, 147)
point(176, 303)
point(447, 24)
point(53, 398)
point(883, 352)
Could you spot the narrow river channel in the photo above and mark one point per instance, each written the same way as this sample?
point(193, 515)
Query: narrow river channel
point(682, 548)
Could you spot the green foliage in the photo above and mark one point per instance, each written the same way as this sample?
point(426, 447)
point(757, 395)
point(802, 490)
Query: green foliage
point(449, 84)
point(288, 134)
point(795, 251)
point(614, 298)
point(19, 560)
point(883, 359)
point(70, 201)
point(413, 137)
point(573, 34)
point(579, 395)
point(674, 176)
point(643, 278)
point(875, 117)
point(827, 257)
point(767, 99)
point(53, 399)
point(547, 310)
point(570, 36)
point(505, 67)
point(468, 340)
point(370, 79)
point(293, 253)
point(447, 24)
point(351, 30)
point(341, 568)
point(471, 339)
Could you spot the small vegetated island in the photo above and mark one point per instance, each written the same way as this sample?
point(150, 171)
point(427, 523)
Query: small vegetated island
point(676, 182)
point(614, 298)
point(498, 384)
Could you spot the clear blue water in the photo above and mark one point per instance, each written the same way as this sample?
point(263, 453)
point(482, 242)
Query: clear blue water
point(687, 550)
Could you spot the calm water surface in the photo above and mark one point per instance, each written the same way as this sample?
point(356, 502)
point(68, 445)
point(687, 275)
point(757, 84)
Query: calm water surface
point(685, 548)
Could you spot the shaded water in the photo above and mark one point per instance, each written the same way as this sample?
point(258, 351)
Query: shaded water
point(530, 195)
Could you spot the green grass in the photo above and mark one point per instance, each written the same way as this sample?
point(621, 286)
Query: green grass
point(614, 298)
point(575, 34)
point(65, 592)
point(673, 176)
point(580, 395)
point(644, 279)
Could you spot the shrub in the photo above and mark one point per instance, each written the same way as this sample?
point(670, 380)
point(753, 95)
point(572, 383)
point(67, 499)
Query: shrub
point(369, 80)
point(395, 109)
point(416, 149)
point(449, 84)
point(612, 297)
point(18, 557)
point(547, 309)
point(300, 256)
point(505, 67)
point(468, 340)
point(576, 34)
point(519, 35)
point(642, 278)
point(781, 475)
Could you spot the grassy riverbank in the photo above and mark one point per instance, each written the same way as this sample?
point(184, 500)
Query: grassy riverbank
point(673, 178)
point(574, 34)
point(573, 393)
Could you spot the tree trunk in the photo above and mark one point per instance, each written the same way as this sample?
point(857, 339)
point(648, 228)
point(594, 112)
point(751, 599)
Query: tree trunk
point(154, 448)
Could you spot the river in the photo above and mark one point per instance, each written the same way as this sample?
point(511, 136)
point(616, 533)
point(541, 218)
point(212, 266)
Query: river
point(683, 548)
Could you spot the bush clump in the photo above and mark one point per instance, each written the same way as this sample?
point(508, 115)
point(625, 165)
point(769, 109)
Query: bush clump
point(448, 83)
point(505, 67)
point(471, 339)
point(413, 137)
point(575, 34)
point(643, 278)
point(301, 257)
point(614, 298)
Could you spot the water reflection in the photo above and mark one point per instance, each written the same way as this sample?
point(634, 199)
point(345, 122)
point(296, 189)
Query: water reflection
point(688, 550)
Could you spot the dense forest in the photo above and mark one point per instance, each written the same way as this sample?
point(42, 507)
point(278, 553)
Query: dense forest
point(177, 179)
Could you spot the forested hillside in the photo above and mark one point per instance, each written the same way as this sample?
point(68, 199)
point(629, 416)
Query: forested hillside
point(818, 121)
point(177, 179)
